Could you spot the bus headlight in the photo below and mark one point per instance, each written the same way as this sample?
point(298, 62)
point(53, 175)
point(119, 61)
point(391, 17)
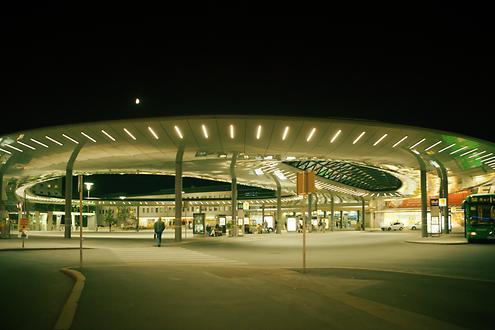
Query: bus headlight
point(473, 233)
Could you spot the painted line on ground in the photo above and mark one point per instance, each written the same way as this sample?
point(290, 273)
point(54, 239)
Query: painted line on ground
point(64, 321)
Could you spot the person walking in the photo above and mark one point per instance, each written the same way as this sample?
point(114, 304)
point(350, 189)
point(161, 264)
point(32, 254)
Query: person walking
point(159, 227)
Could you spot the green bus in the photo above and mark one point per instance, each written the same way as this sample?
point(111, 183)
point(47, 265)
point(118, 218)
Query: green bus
point(479, 217)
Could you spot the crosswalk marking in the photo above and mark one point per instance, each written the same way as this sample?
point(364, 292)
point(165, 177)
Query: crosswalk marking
point(176, 255)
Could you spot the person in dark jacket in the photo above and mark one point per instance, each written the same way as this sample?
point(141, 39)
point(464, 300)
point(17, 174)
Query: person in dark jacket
point(159, 227)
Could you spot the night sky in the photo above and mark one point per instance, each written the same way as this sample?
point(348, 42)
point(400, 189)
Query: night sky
point(428, 67)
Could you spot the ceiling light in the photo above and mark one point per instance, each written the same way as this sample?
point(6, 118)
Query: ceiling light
point(415, 151)
point(468, 152)
point(109, 136)
point(89, 137)
point(129, 133)
point(417, 143)
point(488, 159)
point(290, 158)
point(380, 139)
point(53, 140)
point(69, 138)
point(26, 145)
point(137, 101)
point(453, 144)
point(177, 129)
point(38, 142)
point(479, 158)
point(286, 131)
point(477, 154)
point(205, 132)
point(231, 131)
point(360, 136)
point(336, 135)
point(153, 132)
point(310, 136)
point(433, 145)
point(12, 147)
point(6, 151)
point(398, 142)
point(258, 171)
point(258, 132)
point(456, 151)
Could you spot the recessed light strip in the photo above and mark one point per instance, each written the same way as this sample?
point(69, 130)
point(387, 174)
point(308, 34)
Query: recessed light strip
point(417, 143)
point(38, 142)
point(53, 140)
point(108, 135)
point(380, 139)
point(468, 152)
point(153, 132)
point(6, 151)
point(433, 145)
point(335, 136)
point(12, 147)
point(456, 151)
point(69, 138)
point(482, 157)
point(179, 133)
point(477, 154)
point(310, 136)
point(258, 132)
point(359, 137)
point(89, 137)
point(231, 131)
point(286, 131)
point(448, 147)
point(205, 131)
point(26, 145)
point(398, 142)
point(488, 159)
point(129, 133)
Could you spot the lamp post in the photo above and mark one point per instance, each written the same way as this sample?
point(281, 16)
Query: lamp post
point(89, 185)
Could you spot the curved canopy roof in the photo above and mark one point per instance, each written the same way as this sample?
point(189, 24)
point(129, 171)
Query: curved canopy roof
point(351, 157)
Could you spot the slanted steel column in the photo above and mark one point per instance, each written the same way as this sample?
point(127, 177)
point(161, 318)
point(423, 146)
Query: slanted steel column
point(424, 210)
point(278, 218)
point(362, 212)
point(178, 193)
point(68, 190)
point(234, 194)
point(4, 202)
point(444, 192)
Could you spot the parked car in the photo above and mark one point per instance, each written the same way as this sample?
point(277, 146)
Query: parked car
point(393, 226)
point(415, 226)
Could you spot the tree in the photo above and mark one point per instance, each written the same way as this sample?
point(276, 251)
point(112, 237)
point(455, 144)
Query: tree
point(110, 219)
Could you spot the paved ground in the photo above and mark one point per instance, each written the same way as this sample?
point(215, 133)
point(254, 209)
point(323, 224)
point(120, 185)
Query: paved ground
point(354, 279)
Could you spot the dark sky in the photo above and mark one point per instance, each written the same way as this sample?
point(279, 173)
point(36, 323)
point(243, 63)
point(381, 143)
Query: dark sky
point(421, 66)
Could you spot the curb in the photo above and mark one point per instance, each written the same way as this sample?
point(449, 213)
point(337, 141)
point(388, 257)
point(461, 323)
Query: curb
point(47, 248)
point(66, 316)
point(437, 242)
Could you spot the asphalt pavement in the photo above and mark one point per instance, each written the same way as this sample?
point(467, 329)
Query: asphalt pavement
point(368, 280)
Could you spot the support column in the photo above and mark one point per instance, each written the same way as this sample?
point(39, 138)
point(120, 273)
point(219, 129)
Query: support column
point(362, 214)
point(278, 217)
point(178, 193)
point(310, 201)
point(235, 229)
point(444, 183)
point(68, 190)
point(424, 205)
point(332, 210)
